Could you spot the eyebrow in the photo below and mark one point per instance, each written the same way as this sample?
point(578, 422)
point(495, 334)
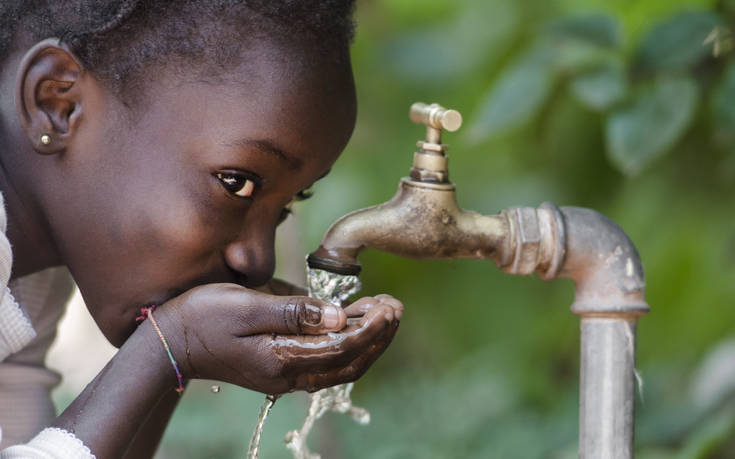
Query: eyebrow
point(269, 148)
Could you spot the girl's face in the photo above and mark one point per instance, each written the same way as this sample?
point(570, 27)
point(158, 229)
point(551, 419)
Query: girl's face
point(192, 189)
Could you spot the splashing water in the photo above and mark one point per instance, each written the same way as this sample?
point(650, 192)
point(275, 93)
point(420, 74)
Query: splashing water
point(334, 288)
point(265, 409)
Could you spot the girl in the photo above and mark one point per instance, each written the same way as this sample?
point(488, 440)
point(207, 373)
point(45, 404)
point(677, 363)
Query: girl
point(152, 148)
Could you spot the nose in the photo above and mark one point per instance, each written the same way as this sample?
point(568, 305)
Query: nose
point(253, 256)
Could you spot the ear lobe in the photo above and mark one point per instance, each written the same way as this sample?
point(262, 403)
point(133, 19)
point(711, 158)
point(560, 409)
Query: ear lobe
point(48, 100)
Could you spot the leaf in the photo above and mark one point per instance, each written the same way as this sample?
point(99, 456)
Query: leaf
point(655, 120)
point(597, 29)
point(601, 88)
point(518, 94)
point(481, 31)
point(572, 57)
point(677, 43)
point(583, 42)
point(722, 106)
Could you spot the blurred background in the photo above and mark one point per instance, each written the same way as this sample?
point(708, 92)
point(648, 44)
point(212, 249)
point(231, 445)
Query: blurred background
point(623, 106)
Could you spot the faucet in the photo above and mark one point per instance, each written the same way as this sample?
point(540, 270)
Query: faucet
point(424, 221)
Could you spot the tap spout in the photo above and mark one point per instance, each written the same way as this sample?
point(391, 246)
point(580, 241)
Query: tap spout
point(423, 220)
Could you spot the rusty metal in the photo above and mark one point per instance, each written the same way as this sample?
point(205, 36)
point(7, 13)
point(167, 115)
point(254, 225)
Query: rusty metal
point(424, 221)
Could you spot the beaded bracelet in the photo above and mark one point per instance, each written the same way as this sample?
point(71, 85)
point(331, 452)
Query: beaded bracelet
point(148, 313)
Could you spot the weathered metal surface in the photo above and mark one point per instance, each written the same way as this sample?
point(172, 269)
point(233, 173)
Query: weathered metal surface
point(424, 221)
point(607, 388)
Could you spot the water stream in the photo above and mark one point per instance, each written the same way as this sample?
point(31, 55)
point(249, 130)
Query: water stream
point(334, 288)
point(265, 409)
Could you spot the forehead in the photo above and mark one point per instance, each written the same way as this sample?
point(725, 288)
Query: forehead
point(301, 100)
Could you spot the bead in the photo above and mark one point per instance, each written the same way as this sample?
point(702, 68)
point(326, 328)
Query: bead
point(45, 139)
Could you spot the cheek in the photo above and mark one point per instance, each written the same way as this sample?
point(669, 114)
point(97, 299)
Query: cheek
point(180, 226)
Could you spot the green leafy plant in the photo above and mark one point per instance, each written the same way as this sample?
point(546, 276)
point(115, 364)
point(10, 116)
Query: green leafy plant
point(648, 98)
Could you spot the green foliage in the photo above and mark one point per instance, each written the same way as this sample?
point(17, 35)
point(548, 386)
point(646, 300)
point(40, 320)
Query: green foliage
point(651, 124)
point(723, 109)
point(677, 44)
point(519, 93)
point(601, 88)
point(649, 101)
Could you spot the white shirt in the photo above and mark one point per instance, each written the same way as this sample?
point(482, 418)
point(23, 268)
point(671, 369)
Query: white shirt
point(25, 382)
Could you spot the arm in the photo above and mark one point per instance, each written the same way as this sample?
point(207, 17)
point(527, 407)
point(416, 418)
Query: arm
point(105, 416)
point(271, 344)
point(146, 440)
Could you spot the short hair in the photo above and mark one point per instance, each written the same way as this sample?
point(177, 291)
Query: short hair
point(117, 39)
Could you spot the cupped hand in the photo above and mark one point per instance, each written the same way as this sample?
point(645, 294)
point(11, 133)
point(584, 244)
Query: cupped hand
point(275, 344)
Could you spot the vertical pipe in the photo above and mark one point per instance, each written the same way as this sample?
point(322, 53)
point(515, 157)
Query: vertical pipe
point(607, 389)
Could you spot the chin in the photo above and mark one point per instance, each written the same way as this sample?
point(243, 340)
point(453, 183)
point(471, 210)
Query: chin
point(118, 336)
point(118, 328)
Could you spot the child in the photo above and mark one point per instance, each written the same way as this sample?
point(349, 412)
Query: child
point(152, 148)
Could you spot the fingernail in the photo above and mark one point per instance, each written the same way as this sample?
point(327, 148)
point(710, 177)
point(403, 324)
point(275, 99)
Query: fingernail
point(330, 316)
point(312, 315)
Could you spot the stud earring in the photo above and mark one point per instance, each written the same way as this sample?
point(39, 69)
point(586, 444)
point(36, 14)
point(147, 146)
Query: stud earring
point(45, 139)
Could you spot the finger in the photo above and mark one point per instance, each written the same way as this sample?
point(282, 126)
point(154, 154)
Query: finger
point(355, 369)
point(397, 305)
point(258, 313)
point(361, 306)
point(320, 353)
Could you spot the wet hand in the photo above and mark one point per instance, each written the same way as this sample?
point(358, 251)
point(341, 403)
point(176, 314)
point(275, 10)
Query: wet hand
point(276, 344)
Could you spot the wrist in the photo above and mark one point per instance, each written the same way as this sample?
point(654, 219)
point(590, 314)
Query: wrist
point(154, 366)
point(121, 395)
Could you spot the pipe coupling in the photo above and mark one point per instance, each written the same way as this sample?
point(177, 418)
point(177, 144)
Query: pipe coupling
point(537, 240)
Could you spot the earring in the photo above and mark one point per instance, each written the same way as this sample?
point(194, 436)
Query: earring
point(45, 139)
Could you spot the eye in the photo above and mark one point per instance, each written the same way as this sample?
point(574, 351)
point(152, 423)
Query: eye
point(237, 184)
point(303, 195)
point(288, 209)
point(285, 212)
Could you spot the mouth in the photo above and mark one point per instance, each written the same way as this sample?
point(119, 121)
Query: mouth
point(142, 308)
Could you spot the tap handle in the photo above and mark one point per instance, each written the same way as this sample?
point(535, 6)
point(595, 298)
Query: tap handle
point(435, 116)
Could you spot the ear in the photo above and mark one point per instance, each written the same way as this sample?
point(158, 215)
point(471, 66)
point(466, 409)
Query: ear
point(48, 98)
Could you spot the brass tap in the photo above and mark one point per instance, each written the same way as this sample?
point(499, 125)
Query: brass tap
point(423, 220)
point(430, 163)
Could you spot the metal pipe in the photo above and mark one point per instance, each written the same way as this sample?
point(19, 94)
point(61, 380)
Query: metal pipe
point(609, 298)
point(607, 394)
point(423, 220)
point(593, 251)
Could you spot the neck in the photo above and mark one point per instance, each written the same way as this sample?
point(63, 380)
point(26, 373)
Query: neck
point(27, 231)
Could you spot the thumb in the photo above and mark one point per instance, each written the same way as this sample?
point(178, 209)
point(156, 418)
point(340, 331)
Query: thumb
point(291, 315)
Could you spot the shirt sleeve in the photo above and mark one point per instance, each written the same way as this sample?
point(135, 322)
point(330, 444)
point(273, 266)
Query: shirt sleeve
point(51, 443)
point(16, 330)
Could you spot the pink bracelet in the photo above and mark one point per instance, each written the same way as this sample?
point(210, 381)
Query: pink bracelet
point(148, 313)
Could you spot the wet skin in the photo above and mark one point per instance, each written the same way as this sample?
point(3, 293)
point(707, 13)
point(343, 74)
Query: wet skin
point(183, 189)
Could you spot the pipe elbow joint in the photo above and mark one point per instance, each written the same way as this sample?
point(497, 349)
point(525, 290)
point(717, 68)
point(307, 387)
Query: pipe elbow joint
point(583, 245)
point(604, 264)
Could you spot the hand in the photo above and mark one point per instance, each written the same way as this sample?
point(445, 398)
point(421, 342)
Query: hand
point(275, 344)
